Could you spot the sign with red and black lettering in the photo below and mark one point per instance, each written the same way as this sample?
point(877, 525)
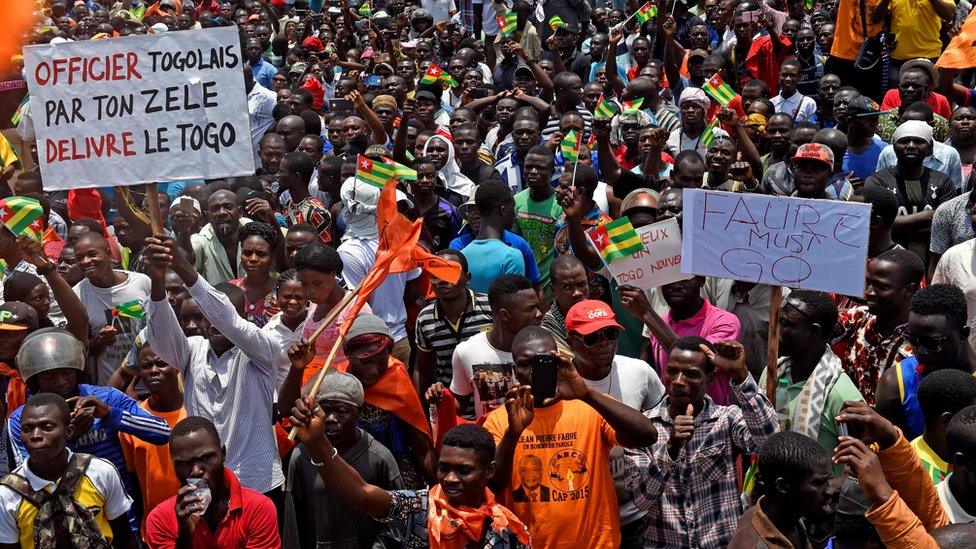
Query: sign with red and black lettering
point(138, 109)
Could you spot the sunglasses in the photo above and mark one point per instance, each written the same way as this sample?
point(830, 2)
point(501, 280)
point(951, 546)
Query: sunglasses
point(932, 343)
point(610, 334)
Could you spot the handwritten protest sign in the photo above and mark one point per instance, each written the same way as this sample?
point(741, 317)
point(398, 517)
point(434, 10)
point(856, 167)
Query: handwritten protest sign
point(658, 263)
point(794, 242)
point(140, 109)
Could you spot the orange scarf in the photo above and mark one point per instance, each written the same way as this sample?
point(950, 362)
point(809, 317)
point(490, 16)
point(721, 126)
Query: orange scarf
point(450, 527)
point(16, 389)
point(394, 393)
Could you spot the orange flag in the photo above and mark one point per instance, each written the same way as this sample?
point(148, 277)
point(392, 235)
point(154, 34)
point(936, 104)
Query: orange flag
point(961, 52)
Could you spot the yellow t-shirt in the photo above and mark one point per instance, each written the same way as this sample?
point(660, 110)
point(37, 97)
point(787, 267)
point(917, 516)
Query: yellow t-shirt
point(101, 492)
point(916, 26)
point(568, 500)
point(849, 32)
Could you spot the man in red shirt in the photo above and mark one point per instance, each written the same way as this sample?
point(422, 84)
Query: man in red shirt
point(214, 510)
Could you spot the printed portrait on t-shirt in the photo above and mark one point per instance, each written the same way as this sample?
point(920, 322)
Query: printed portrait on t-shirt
point(532, 490)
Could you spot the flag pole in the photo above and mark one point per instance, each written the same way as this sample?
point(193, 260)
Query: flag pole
point(329, 319)
point(155, 215)
point(772, 342)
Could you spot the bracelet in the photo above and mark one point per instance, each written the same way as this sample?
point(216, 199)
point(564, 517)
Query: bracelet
point(47, 269)
point(335, 452)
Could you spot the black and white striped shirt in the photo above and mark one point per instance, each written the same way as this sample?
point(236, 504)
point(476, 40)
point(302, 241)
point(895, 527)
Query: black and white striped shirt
point(435, 334)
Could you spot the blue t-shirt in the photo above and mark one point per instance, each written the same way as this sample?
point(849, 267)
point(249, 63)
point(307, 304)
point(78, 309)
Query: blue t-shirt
point(488, 259)
point(865, 163)
point(513, 240)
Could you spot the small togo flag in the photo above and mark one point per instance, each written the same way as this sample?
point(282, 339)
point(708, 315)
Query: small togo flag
point(646, 13)
point(374, 173)
point(131, 309)
point(23, 216)
point(604, 109)
point(631, 107)
point(708, 135)
point(436, 74)
point(718, 90)
point(570, 146)
point(615, 240)
point(508, 23)
point(364, 9)
point(556, 22)
point(403, 172)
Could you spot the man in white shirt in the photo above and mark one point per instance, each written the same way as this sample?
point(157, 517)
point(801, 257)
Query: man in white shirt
point(229, 372)
point(790, 101)
point(260, 106)
point(114, 301)
point(592, 333)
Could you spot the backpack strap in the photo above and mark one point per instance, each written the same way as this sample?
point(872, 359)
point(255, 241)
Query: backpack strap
point(22, 486)
point(73, 474)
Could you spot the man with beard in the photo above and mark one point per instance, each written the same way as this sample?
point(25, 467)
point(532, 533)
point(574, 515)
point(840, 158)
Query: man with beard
point(943, 158)
point(525, 134)
point(569, 286)
point(920, 190)
point(232, 350)
point(693, 104)
point(216, 247)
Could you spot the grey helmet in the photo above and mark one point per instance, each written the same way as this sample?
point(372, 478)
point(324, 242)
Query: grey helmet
point(49, 349)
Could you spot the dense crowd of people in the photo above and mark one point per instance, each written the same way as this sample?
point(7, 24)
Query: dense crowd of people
point(150, 378)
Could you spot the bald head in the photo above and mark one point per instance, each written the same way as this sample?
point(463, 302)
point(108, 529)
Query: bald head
point(836, 140)
point(292, 129)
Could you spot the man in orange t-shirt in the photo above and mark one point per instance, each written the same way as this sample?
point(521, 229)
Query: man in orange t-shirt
point(571, 502)
point(151, 464)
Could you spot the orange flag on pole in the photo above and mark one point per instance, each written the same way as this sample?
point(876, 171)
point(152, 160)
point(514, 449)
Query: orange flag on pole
point(961, 51)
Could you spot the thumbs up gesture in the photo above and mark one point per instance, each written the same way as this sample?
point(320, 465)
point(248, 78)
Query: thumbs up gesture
point(684, 427)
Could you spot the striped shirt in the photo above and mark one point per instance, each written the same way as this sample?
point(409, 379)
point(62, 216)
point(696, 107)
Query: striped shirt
point(436, 334)
point(234, 390)
point(552, 125)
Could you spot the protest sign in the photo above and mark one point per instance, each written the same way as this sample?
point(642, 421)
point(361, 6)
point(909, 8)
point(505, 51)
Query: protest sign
point(794, 242)
point(140, 109)
point(658, 263)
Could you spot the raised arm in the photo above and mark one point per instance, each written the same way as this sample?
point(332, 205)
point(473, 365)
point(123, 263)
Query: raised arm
point(71, 305)
point(400, 139)
point(609, 167)
point(635, 301)
point(163, 330)
point(261, 347)
point(613, 77)
point(373, 121)
point(337, 475)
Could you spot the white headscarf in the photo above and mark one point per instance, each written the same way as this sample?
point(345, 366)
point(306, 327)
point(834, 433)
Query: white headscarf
point(454, 180)
point(359, 201)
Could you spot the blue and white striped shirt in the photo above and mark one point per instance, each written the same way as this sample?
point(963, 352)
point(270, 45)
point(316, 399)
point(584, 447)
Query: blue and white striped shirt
point(234, 390)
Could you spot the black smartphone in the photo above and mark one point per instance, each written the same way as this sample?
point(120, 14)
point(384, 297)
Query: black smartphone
point(544, 370)
point(340, 105)
point(479, 93)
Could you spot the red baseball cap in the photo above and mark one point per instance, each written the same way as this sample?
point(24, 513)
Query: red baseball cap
point(589, 316)
point(815, 151)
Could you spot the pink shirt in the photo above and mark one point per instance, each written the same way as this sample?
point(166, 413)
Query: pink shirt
point(711, 323)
